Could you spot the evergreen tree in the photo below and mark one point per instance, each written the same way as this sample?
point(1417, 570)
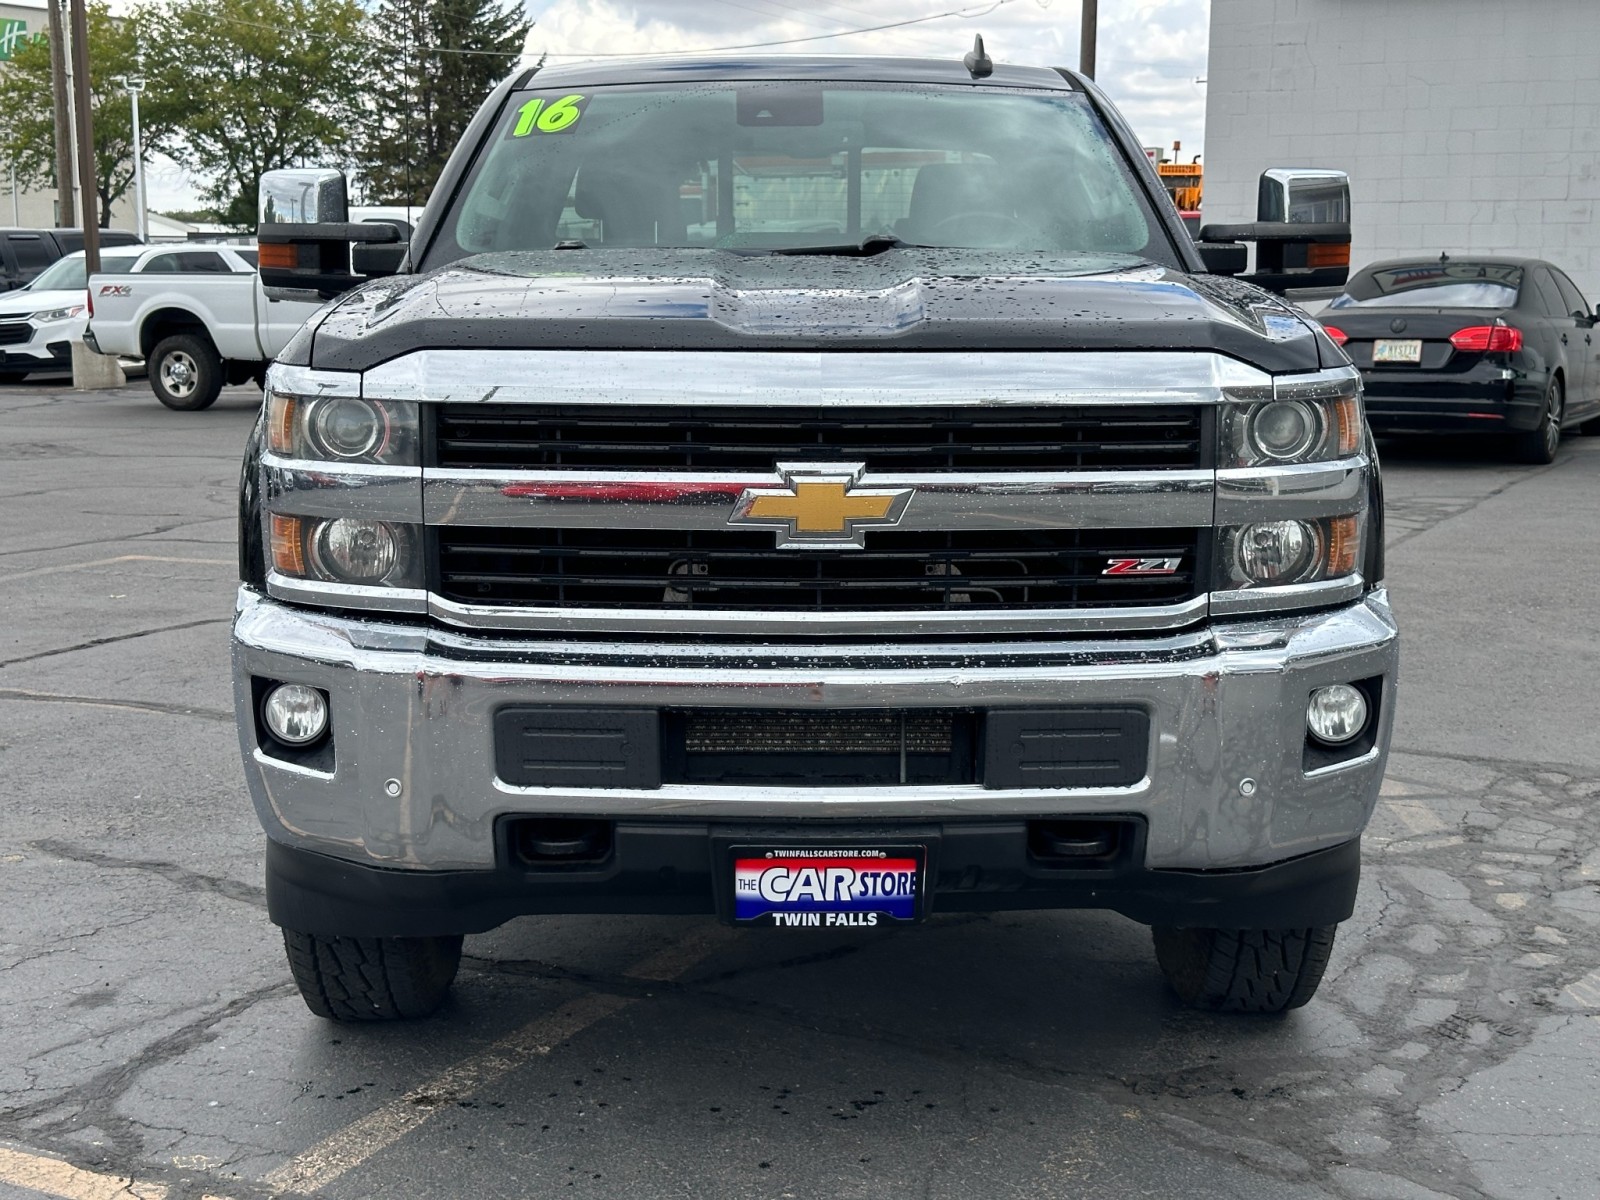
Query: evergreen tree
point(434, 62)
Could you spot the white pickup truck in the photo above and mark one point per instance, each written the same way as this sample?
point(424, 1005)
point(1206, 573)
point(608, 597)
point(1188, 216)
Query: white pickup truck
point(197, 315)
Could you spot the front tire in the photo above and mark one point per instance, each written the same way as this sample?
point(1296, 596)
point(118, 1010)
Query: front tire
point(1244, 970)
point(1539, 445)
point(372, 979)
point(186, 372)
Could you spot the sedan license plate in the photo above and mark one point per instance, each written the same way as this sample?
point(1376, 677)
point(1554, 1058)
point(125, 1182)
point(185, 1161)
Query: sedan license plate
point(828, 886)
point(1397, 350)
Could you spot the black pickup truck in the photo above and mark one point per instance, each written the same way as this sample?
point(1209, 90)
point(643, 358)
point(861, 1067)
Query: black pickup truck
point(814, 492)
point(24, 253)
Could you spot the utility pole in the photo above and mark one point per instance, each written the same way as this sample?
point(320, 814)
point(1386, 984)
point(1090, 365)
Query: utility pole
point(89, 370)
point(1086, 40)
point(66, 213)
point(85, 119)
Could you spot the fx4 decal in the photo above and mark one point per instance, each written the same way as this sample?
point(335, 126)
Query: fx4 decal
point(1142, 566)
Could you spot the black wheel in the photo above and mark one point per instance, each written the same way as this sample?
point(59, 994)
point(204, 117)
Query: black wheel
point(1244, 970)
point(372, 979)
point(186, 372)
point(1539, 444)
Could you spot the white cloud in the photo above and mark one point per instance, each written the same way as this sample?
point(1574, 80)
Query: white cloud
point(1150, 53)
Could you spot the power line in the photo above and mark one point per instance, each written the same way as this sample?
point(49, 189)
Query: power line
point(964, 13)
point(975, 11)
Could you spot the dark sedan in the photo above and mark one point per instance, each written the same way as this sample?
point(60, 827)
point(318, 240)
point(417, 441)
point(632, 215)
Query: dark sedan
point(1503, 346)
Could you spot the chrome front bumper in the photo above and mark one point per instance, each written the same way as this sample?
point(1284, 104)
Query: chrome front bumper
point(412, 713)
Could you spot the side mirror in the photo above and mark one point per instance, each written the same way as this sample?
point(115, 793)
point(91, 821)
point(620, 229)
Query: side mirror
point(1301, 230)
point(1224, 258)
point(303, 197)
point(305, 236)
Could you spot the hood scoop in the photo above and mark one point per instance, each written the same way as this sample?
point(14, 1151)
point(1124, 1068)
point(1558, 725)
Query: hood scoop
point(808, 312)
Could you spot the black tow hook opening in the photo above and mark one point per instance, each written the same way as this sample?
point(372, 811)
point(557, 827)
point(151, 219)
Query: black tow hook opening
point(560, 841)
point(1077, 843)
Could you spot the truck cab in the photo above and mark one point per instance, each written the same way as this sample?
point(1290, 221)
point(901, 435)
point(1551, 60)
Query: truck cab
point(809, 492)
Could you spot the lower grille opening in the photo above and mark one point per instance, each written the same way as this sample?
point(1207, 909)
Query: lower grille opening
point(560, 841)
point(1079, 843)
point(820, 749)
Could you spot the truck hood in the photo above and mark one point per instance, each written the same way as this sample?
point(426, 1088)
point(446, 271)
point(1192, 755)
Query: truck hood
point(20, 305)
point(903, 299)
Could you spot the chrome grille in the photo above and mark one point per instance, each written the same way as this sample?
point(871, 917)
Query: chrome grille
point(898, 570)
point(487, 436)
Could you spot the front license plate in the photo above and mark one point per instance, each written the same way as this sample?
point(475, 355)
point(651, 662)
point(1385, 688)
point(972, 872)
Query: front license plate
point(1397, 350)
point(828, 886)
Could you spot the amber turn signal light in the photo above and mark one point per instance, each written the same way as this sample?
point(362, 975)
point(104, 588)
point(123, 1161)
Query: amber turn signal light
point(288, 546)
point(284, 255)
point(1328, 254)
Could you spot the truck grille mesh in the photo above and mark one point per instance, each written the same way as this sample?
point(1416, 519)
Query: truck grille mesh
point(490, 436)
point(898, 570)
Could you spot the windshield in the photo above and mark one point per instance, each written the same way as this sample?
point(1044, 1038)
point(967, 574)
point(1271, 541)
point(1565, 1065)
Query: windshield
point(1434, 285)
point(757, 167)
point(67, 274)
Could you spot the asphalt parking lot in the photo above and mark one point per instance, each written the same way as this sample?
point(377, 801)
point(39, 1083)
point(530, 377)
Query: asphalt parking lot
point(151, 1043)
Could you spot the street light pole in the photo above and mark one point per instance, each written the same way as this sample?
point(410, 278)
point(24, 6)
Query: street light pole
point(134, 85)
point(1087, 38)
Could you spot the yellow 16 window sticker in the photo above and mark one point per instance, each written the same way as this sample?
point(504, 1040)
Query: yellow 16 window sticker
point(542, 115)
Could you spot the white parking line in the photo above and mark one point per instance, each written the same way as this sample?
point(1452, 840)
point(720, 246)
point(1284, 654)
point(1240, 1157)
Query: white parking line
point(52, 1177)
point(341, 1152)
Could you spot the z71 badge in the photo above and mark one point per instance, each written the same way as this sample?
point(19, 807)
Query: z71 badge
point(1142, 566)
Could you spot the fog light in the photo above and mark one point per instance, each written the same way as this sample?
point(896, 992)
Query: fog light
point(296, 714)
point(1336, 713)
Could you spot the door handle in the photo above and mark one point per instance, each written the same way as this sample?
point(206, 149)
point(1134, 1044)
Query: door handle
point(1563, 339)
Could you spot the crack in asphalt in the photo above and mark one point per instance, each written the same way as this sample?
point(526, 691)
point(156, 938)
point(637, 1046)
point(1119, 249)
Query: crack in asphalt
point(92, 1104)
point(111, 639)
point(181, 877)
point(150, 706)
point(1469, 506)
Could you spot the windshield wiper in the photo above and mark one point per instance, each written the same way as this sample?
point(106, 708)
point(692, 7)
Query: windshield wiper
point(873, 243)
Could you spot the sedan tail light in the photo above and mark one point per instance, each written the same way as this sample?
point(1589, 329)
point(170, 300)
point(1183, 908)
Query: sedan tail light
point(1339, 336)
point(1492, 338)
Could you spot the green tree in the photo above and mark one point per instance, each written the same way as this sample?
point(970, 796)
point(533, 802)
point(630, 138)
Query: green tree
point(257, 85)
point(29, 130)
point(432, 63)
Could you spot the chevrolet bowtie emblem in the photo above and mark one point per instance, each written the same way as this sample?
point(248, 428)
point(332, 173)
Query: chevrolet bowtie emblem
point(821, 506)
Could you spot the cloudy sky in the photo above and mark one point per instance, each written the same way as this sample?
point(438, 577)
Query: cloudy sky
point(1152, 53)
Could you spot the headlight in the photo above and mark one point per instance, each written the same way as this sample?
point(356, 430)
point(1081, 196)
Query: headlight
point(346, 550)
point(1277, 553)
point(1293, 429)
point(59, 314)
point(342, 428)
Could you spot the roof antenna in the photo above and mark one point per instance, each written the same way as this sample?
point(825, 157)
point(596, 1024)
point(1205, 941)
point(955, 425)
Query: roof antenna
point(1444, 257)
point(977, 63)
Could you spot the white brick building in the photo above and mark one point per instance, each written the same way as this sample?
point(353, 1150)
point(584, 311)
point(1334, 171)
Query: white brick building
point(1465, 125)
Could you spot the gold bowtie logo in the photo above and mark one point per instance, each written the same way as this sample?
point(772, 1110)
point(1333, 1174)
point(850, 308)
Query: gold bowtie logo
point(821, 505)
